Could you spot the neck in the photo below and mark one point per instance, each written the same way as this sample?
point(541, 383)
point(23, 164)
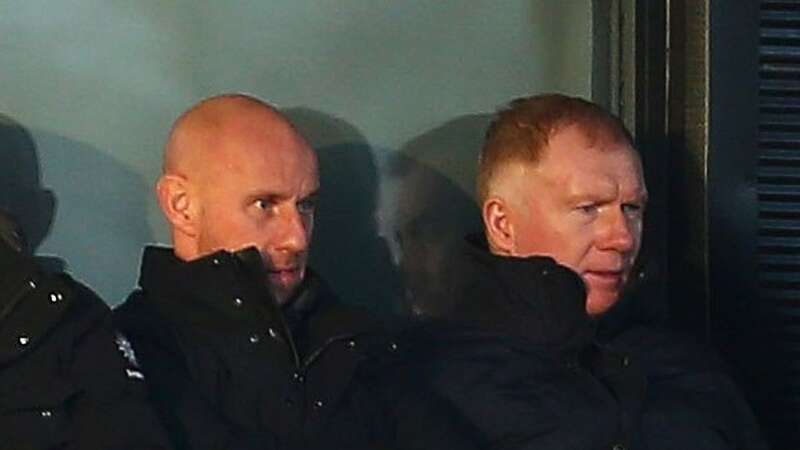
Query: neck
point(184, 247)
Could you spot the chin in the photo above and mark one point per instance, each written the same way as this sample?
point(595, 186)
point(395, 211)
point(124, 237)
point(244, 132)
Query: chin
point(596, 307)
point(283, 294)
point(279, 295)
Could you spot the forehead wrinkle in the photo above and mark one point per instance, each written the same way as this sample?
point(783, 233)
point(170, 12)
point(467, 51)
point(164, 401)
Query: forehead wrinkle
point(631, 174)
point(601, 187)
point(282, 173)
point(617, 162)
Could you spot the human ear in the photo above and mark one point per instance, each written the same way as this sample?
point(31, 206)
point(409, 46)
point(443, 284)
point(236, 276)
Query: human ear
point(498, 226)
point(178, 203)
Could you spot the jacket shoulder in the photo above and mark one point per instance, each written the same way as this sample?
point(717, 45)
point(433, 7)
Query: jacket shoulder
point(49, 304)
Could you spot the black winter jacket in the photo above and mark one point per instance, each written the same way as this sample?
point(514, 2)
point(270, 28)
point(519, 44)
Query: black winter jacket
point(516, 359)
point(65, 382)
point(231, 370)
point(692, 402)
point(520, 361)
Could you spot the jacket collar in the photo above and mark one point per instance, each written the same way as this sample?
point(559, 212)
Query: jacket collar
point(532, 298)
point(210, 292)
point(223, 289)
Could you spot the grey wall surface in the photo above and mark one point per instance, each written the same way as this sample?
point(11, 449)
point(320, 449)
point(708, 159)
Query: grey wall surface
point(392, 93)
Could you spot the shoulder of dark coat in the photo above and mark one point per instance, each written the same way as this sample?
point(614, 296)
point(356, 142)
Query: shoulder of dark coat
point(439, 346)
point(140, 322)
point(667, 352)
point(133, 311)
point(50, 302)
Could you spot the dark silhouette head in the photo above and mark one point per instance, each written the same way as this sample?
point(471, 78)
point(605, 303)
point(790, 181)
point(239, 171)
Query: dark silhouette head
point(22, 196)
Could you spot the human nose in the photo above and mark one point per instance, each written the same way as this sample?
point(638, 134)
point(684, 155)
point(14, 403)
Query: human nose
point(294, 232)
point(619, 232)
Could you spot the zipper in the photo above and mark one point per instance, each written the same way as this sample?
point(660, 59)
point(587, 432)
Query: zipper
point(247, 271)
point(283, 329)
point(287, 334)
point(308, 360)
point(301, 366)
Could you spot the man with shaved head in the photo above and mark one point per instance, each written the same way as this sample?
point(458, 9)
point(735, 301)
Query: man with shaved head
point(237, 174)
point(244, 345)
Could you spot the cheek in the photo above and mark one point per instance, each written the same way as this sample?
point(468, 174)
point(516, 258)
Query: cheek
point(308, 224)
point(560, 239)
point(231, 230)
point(636, 228)
point(573, 244)
point(576, 248)
point(637, 245)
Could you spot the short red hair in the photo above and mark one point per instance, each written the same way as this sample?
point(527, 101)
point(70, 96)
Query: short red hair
point(522, 130)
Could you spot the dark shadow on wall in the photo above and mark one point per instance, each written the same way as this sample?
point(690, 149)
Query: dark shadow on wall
point(22, 195)
point(347, 250)
point(430, 206)
point(100, 224)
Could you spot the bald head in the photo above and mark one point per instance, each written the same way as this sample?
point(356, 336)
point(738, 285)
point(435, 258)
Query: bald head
point(198, 136)
point(237, 174)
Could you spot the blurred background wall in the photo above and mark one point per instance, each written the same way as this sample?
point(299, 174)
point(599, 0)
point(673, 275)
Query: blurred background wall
point(394, 95)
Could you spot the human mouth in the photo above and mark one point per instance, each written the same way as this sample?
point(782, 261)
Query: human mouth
point(287, 277)
point(607, 279)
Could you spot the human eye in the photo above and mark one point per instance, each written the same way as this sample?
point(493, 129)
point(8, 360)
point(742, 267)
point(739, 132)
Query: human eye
point(308, 205)
point(588, 208)
point(264, 204)
point(632, 209)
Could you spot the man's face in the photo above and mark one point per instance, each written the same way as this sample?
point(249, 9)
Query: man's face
point(582, 204)
point(262, 193)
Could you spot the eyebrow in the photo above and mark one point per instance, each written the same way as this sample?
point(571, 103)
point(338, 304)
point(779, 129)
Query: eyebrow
point(269, 195)
point(604, 193)
point(641, 194)
point(312, 194)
